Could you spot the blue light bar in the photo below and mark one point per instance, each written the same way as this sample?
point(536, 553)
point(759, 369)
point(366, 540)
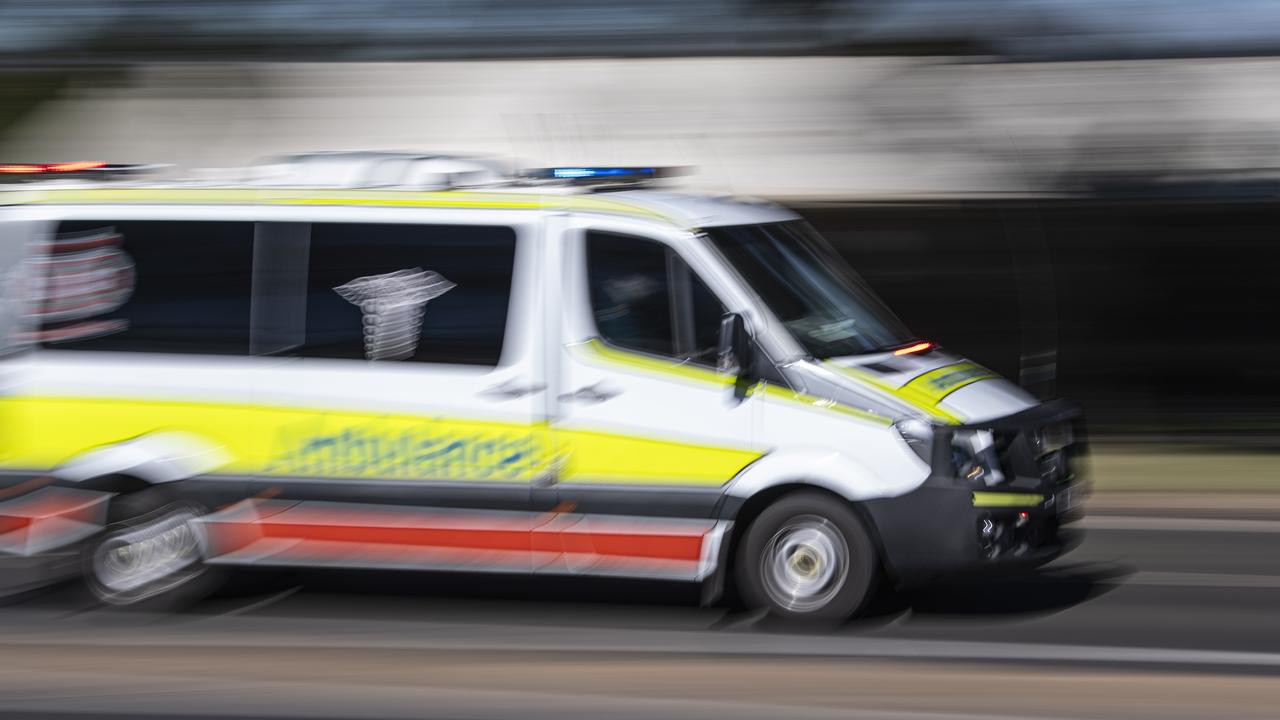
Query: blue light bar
point(604, 176)
point(579, 173)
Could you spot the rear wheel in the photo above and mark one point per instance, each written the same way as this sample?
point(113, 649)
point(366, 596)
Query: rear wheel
point(807, 556)
point(150, 553)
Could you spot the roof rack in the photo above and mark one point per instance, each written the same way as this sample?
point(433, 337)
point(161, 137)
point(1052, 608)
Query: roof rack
point(361, 169)
point(374, 169)
point(430, 171)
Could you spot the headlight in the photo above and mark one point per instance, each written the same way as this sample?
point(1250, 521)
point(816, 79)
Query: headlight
point(918, 435)
point(1053, 437)
point(974, 454)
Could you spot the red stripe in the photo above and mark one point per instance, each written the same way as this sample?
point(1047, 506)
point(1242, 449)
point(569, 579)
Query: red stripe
point(9, 524)
point(475, 539)
point(48, 504)
point(665, 547)
point(632, 538)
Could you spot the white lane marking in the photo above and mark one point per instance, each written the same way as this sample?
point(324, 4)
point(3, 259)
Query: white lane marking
point(1138, 522)
point(246, 631)
point(1186, 579)
point(104, 691)
point(264, 602)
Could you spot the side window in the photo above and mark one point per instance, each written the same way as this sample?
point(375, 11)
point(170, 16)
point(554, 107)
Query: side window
point(630, 292)
point(707, 314)
point(645, 298)
point(146, 286)
point(423, 293)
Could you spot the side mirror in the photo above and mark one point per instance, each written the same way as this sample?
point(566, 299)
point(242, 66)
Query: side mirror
point(736, 353)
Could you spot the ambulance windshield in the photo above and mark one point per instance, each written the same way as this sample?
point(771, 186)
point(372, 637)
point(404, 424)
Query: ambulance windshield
point(825, 306)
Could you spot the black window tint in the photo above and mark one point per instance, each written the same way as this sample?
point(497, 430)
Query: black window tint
point(427, 293)
point(147, 286)
point(644, 297)
point(630, 295)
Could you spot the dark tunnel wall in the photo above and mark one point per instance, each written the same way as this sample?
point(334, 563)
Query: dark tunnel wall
point(1163, 312)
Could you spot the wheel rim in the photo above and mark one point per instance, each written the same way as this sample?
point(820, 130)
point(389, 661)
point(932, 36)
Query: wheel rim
point(148, 558)
point(805, 564)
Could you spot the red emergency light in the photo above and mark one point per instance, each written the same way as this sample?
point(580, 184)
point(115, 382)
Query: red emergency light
point(58, 167)
point(913, 349)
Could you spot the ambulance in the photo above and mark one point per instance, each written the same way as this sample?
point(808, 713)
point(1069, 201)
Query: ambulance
point(421, 362)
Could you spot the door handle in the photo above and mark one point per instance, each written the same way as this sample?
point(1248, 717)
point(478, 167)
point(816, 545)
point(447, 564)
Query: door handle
point(511, 390)
point(592, 394)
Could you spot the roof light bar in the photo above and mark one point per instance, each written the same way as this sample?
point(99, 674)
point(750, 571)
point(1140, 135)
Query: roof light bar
point(78, 166)
point(585, 174)
point(74, 170)
point(21, 169)
point(573, 173)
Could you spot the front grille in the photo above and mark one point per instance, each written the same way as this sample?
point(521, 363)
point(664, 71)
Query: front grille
point(1043, 446)
point(1021, 453)
point(1006, 447)
point(1053, 467)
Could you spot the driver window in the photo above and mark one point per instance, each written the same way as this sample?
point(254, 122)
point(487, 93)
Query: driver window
point(645, 298)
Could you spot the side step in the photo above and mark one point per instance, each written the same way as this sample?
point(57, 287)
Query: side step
point(327, 534)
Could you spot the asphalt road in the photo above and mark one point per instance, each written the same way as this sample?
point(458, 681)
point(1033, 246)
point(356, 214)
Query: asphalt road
point(1164, 618)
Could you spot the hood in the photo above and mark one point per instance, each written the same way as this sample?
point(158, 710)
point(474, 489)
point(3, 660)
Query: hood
point(936, 385)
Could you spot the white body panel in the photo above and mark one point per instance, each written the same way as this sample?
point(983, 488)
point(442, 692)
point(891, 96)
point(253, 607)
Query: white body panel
point(989, 399)
point(634, 401)
point(318, 387)
point(158, 458)
point(799, 439)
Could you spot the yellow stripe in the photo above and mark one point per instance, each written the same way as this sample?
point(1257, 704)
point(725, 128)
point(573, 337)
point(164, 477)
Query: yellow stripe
point(45, 432)
point(1002, 499)
point(273, 196)
point(817, 403)
point(600, 457)
point(597, 349)
point(913, 396)
point(595, 457)
point(937, 384)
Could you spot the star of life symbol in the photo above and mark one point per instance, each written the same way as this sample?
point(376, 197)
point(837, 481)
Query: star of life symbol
point(393, 304)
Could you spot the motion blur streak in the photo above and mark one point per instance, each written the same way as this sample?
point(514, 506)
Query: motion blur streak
point(1078, 195)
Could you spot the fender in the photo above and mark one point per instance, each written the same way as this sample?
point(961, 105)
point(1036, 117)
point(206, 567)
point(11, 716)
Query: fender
point(158, 457)
point(821, 467)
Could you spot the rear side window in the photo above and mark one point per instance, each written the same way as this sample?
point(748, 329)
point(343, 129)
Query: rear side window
point(146, 286)
point(422, 293)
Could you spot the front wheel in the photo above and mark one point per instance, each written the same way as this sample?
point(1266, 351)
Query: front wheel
point(807, 556)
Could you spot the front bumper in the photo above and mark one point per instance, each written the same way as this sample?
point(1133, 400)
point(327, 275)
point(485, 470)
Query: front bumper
point(934, 532)
point(950, 527)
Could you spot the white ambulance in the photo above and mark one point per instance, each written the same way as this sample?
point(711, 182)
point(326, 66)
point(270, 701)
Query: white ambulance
point(413, 362)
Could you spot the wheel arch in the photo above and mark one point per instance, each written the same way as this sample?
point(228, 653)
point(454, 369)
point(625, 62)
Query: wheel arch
point(151, 459)
point(834, 471)
point(744, 511)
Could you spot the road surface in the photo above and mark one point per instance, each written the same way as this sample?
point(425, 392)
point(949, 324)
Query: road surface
point(1150, 617)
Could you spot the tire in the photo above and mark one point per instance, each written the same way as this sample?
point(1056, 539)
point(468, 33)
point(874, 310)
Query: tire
point(808, 556)
point(150, 555)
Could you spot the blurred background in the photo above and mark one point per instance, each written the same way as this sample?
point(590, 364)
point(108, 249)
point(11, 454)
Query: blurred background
point(1015, 177)
point(1081, 194)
